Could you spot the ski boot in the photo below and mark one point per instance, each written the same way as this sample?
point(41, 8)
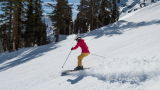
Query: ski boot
point(78, 68)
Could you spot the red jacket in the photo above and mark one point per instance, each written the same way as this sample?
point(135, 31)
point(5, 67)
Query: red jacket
point(83, 46)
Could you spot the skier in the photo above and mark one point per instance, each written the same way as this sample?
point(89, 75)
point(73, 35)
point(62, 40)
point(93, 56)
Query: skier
point(85, 52)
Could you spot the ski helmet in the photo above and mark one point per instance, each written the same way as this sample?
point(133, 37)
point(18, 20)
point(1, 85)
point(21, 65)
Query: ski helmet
point(78, 38)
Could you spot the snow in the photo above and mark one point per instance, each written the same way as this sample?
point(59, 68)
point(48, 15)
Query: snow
point(130, 47)
point(128, 6)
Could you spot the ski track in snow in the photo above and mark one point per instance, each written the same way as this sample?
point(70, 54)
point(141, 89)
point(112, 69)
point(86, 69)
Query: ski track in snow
point(130, 47)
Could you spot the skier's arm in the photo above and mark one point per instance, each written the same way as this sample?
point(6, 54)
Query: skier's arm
point(74, 48)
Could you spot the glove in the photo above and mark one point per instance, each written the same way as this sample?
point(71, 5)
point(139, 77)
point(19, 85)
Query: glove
point(72, 48)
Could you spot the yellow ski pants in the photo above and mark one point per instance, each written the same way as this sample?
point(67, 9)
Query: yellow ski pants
point(80, 57)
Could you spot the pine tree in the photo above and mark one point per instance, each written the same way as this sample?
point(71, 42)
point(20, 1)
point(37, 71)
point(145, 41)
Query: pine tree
point(10, 28)
point(40, 27)
point(29, 25)
point(115, 12)
point(104, 13)
point(90, 11)
point(67, 18)
point(59, 15)
point(76, 26)
point(35, 31)
point(23, 31)
point(44, 33)
point(72, 28)
point(20, 24)
point(95, 14)
point(15, 25)
point(6, 19)
point(17, 9)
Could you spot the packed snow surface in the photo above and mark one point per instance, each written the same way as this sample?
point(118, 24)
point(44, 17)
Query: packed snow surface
point(131, 48)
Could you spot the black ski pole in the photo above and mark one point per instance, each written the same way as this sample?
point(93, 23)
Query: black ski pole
point(98, 55)
point(67, 58)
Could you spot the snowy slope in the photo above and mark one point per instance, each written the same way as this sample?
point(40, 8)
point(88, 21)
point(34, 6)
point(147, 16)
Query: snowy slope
point(131, 48)
point(48, 22)
point(128, 6)
point(50, 32)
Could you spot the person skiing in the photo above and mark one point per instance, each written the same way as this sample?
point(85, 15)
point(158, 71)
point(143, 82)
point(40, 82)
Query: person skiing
point(85, 52)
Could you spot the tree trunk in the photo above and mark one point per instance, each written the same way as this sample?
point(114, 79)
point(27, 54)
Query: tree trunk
point(91, 26)
point(64, 31)
point(97, 19)
point(57, 36)
point(69, 29)
point(15, 26)
point(102, 17)
point(103, 21)
point(95, 16)
point(1, 45)
point(26, 44)
point(18, 25)
point(10, 17)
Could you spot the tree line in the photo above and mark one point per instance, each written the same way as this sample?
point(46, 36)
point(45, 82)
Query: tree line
point(21, 24)
point(92, 14)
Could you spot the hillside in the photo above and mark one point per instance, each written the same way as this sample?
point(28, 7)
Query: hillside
point(131, 48)
point(128, 6)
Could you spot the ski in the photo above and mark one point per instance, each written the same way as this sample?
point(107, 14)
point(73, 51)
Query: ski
point(67, 71)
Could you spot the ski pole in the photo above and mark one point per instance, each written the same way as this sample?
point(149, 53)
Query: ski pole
point(67, 58)
point(98, 55)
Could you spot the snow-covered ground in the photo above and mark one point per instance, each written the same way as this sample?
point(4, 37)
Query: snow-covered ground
point(131, 48)
point(128, 6)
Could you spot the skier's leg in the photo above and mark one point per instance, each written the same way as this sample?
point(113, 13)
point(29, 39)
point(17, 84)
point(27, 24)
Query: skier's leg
point(80, 58)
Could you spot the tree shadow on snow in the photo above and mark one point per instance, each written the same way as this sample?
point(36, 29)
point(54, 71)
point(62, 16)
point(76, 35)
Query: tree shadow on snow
point(118, 28)
point(13, 59)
